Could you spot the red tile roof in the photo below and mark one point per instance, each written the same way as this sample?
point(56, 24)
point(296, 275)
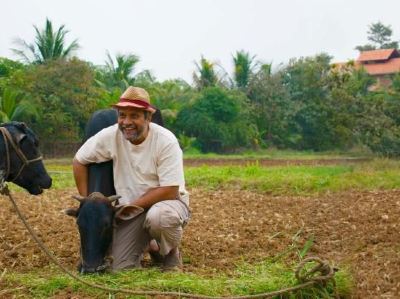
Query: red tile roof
point(388, 67)
point(376, 55)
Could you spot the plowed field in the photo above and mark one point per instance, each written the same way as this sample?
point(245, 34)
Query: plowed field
point(359, 230)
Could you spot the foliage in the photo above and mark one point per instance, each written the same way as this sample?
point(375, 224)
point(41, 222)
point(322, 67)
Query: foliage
point(380, 128)
point(243, 68)
point(308, 104)
point(305, 80)
point(118, 72)
point(348, 88)
point(219, 120)
point(206, 75)
point(8, 68)
point(65, 96)
point(170, 97)
point(108, 97)
point(381, 37)
point(396, 83)
point(272, 107)
point(186, 143)
point(14, 106)
point(48, 45)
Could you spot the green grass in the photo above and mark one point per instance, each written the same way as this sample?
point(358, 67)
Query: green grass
point(280, 154)
point(246, 280)
point(295, 180)
point(378, 174)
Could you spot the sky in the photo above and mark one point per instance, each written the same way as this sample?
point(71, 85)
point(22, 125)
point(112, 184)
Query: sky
point(169, 36)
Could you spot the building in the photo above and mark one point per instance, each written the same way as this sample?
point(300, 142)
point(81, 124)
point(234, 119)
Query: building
point(382, 64)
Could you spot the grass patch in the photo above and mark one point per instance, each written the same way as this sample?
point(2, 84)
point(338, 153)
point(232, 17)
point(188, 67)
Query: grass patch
point(297, 180)
point(278, 180)
point(275, 154)
point(246, 280)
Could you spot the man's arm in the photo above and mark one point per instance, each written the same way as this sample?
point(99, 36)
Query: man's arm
point(81, 177)
point(155, 195)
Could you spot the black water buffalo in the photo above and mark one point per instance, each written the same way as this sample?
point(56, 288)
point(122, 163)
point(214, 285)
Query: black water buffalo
point(101, 174)
point(20, 158)
point(95, 218)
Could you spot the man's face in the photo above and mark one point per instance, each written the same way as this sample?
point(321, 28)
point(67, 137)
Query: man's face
point(133, 124)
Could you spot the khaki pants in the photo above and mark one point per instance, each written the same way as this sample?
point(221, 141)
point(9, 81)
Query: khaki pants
point(164, 222)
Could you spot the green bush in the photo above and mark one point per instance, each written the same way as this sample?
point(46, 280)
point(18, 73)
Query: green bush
point(219, 120)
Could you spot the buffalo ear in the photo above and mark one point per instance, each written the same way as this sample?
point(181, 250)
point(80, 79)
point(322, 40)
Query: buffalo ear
point(19, 137)
point(21, 132)
point(71, 212)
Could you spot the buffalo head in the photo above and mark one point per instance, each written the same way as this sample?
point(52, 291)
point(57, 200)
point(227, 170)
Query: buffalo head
point(94, 217)
point(21, 158)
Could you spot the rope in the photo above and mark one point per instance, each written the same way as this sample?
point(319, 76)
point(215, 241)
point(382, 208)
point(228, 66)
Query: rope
point(9, 140)
point(327, 273)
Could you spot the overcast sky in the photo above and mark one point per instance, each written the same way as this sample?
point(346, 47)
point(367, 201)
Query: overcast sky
point(169, 35)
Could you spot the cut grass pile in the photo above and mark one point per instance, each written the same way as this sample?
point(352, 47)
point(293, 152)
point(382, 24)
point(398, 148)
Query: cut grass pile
point(248, 279)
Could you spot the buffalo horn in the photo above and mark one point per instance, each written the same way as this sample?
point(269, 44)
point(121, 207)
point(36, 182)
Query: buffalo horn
point(78, 197)
point(114, 198)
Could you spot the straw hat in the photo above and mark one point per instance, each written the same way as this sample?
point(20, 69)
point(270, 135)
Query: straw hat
point(135, 97)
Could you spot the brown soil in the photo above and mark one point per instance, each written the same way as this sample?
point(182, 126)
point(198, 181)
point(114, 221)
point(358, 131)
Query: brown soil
point(359, 230)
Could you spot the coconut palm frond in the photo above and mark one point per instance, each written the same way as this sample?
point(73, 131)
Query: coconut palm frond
point(48, 45)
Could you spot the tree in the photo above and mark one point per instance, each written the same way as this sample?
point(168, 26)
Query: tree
point(305, 81)
point(170, 97)
point(348, 89)
point(120, 72)
point(219, 119)
point(206, 75)
point(243, 68)
point(272, 106)
point(8, 68)
point(48, 45)
point(381, 38)
point(14, 106)
point(65, 95)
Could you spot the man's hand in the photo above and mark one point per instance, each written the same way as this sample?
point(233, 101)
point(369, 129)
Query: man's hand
point(127, 212)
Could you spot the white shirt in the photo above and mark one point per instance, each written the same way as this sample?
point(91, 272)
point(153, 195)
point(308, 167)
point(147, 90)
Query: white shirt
point(156, 162)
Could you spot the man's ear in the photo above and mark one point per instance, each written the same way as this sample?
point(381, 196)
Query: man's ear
point(71, 212)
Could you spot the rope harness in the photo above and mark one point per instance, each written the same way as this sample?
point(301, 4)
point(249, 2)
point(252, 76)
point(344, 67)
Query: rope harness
point(8, 140)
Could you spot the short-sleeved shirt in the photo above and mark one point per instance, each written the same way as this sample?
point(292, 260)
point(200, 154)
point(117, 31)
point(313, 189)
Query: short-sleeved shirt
point(156, 162)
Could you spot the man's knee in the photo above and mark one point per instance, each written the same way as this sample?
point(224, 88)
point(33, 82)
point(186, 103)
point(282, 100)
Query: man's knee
point(161, 216)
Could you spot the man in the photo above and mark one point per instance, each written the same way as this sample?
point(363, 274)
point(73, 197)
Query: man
point(148, 175)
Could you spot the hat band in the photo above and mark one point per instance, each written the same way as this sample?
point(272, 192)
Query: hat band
point(138, 102)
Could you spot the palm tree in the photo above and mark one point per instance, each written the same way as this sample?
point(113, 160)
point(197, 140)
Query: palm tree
point(13, 106)
point(206, 75)
point(119, 73)
point(48, 45)
point(243, 68)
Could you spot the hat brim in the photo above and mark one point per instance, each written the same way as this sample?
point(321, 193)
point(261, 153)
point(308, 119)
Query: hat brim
point(133, 105)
